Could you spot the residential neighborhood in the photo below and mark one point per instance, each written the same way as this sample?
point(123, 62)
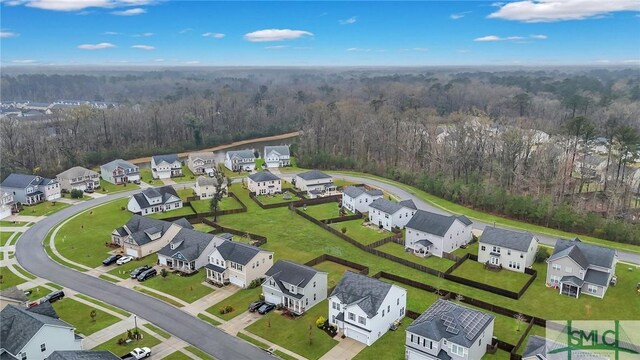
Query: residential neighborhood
point(296, 287)
point(155, 200)
point(277, 156)
point(202, 163)
point(78, 178)
point(388, 214)
point(508, 249)
point(264, 183)
point(166, 166)
point(31, 189)
point(429, 233)
point(120, 172)
point(240, 160)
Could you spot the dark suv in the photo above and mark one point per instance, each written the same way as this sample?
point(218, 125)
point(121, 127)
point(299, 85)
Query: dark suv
point(111, 259)
point(139, 270)
point(255, 305)
point(148, 274)
point(54, 296)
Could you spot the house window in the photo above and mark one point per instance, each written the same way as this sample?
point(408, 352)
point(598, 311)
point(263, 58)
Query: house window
point(456, 349)
point(335, 305)
point(517, 265)
point(43, 347)
point(592, 289)
point(307, 301)
point(23, 356)
point(352, 316)
point(483, 248)
point(557, 267)
point(314, 284)
point(509, 252)
point(382, 312)
point(362, 320)
point(554, 279)
point(270, 257)
point(521, 256)
point(388, 308)
point(496, 249)
point(398, 301)
point(568, 269)
point(314, 297)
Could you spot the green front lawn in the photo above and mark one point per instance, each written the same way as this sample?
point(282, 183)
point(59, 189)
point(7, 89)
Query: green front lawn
point(335, 271)
point(68, 196)
point(4, 238)
point(362, 234)
point(157, 330)
point(239, 302)
point(233, 174)
point(499, 355)
point(434, 262)
point(5, 223)
point(147, 176)
point(277, 198)
point(183, 211)
point(323, 211)
point(418, 300)
point(343, 183)
point(186, 288)
point(202, 227)
point(227, 203)
point(9, 279)
point(37, 293)
point(83, 238)
point(177, 356)
point(79, 315)
point(504, 279)
point(188, 175)
point(123, 271)
point(120, 350)
point(298, 335)
point(199, 353)
point(184, 193)
point(109, 188)
point(389, 347)
point(471, 249)
point(103, 304)
point(43, 208)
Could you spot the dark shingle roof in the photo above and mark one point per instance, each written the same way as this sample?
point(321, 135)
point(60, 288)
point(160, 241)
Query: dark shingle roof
point(368, 293)
point(535, 346)
point(165, 192)
point(520, 241)
point(314, 175)
point(246, 155)
point(408, 204)
point(22, 181)
point(433, 223)
point(572, 279)
point(191, 244)
point(280, 149)
point(388, 206)
point(205, 156)
point(139, 227)
point(592, 254)
point(18, 326)
point(112, 165)
point(456, 323)
point(206, 180)
point(13, 293)
point(353, 191)
point(597, 277)
point(83, 355)
point(263, 176)
point(170, 158)
point(77, 171)
point(291, 273)
point(237, 252)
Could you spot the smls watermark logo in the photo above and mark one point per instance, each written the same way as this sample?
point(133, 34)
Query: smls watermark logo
point(592, 340)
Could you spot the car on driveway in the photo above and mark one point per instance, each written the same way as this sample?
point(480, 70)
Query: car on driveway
point(123, 260)
point(265, 308)
point(148, 274)
point(139, 270)
point(138, 353)
point(111, 259)
point(254, 306)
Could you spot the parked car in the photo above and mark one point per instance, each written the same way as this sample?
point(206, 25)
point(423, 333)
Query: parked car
point(123, 260)
point(148, 274)
point(265, 308)
point(89, 191)
point(111, 259)
point(254, 306)
point(139, 270)
point(54, 296)
point(138, 353)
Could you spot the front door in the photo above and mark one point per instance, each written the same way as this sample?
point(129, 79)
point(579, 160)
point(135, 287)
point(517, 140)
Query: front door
point(494, 260)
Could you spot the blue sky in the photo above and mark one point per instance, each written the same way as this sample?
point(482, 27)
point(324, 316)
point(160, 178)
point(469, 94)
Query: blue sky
point(140, 32)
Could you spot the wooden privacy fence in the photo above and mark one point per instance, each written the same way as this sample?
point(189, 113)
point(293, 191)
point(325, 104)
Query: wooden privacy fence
point(259, 240)
point(364, 270)
point(296, 203)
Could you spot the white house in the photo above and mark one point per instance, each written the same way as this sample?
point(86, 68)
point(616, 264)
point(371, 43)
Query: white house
point(206, 187)
point(314, 180)
point(119, 172)
point(166, 166)
point(358, 198)
point(263, 183)
point(388, 214)
point(188, 251)
point(513, 250)
point(7, 204)
point(202, 163)
point(277, 156)
point(364, 308)
point(428, 233)
point(297, 287)
point(447, 330)
point(240, 160)
point(78, 178)
point(154, 200)
point(34, 333)
point(238, 264)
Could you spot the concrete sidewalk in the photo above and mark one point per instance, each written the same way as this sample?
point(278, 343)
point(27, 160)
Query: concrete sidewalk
point(206, 302)
point(24, 218)
point(108, 333)
point(346, 349)
point(240, 322)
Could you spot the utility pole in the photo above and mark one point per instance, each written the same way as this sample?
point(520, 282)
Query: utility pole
point(135, 322)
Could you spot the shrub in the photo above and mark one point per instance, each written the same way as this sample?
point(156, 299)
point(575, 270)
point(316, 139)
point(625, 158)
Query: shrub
point(164, 273)
point(320, 321)
point(226, 309)
point(121, 341)
point(76, 194)
point(474, 239)
point(344, 229)
point(255, 283)
point(541, 255)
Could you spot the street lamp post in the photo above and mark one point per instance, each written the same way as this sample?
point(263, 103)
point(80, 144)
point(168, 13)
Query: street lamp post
point(135, 322)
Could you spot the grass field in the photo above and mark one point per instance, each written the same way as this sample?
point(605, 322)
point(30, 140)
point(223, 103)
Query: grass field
point(323, 211)
point(253, 341)
point(199, 353)
point(335, 271)
point(505, 279)
point(4, 237)
point(433, 262)
point(157, 330)
point(79, 315)
point(104, 305)
point(5, 223)
point(9, 279)
point(188, 175)
point(184, 193)
point(183, 211)
point(202, 227)
point(37, 293)
point(68, 196)
point(186, 288)
point(158, 296)
point(389, 347)
point(109, 188)
point(205, 318)
point(147, 176)
point(277, 198)
point(239, 302)
point(43, 208)
point(362, 234)
point(120, 350)
point(227, 203)
point(293, 334)
point(177, 356)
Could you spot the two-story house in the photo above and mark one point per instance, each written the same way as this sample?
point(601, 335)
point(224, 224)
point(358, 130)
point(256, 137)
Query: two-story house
point(202, 163)
point(205, 187)
point(34, 333)
point(142, 236)
point(7, 204)
point(578, 268)
point(240, 160)
point(277, 156)
point(388, 214)
point(78, 178)
point(449, 331)
point(315, 181)
point(120, 172)
point(154, 200)
point(429, 233)
point(237, 263)
point(297, 287)
point(31, 189)
point(264, 183)
point(166, 166)
point(513, 250)
point(188, 251)
point(364, 308)
point(356, 198)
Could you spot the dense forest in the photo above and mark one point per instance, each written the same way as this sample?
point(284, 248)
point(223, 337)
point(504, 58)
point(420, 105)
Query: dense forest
point(507, 142)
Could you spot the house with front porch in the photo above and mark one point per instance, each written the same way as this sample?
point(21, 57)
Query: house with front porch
point(240, 160)
point(508, 249)
point(78, 178)
point(120, 172)
point(429, 233)
point(188, 251)
point(205, 187)
point(296, 287)
point(237, 263)
point(264, 183)
point(31, 189)
point(166, 166)
point(142, 236)
point(277, 156)
point(363, 308)
point(577, 268)
point(446, 331)
point(357, 198)
point(202, 163)
point(315, 181)
point(388, 214)
point(7, 204)
point(154, 200)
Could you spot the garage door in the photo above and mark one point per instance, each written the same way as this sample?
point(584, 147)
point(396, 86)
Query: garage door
point(356, 335)
point(132, 252)
point(271, 298)
point(237, 281)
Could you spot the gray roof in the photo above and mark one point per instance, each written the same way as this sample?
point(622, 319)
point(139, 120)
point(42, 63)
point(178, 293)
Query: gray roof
point(573, 280)
point(263, 176)
point(83, 355)
point(112, 165)
point(597, 277)
point(368, 293)
point(165, 192)
point(433, 223)
point(391, 207)
point(456, 323)
point(170, 158)
point(139, 227)
point(536, 345)
point(6, 356)
point(191, 244)
point(291, 273)
point(22, 181)
point(408, 204)
point(355, 191)
point(19, 325)
point(206, 156)
point(13, 293)
point(237, 252)
point(314, 175)
point(246, 154)
point(207, 180)
point(280, 149)
point(77, 171)
point(583, 253)
point(520, 241)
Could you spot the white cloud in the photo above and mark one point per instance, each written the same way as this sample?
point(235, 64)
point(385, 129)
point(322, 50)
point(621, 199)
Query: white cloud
point(130, 12)
point(540, 37)
point(213, 35)
point(508, 38)
point(75, 5)
point(275, 35)
point(96, 46)
point(143, 47)
point(275, 47)
point(559, 10)
point(147, 34)
point(184, 31)
point(459, 15)
point(349, 21)
point(7, 34)
point(110, 33)
point(356, 49)
point(488, 38)
point(24, 61)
